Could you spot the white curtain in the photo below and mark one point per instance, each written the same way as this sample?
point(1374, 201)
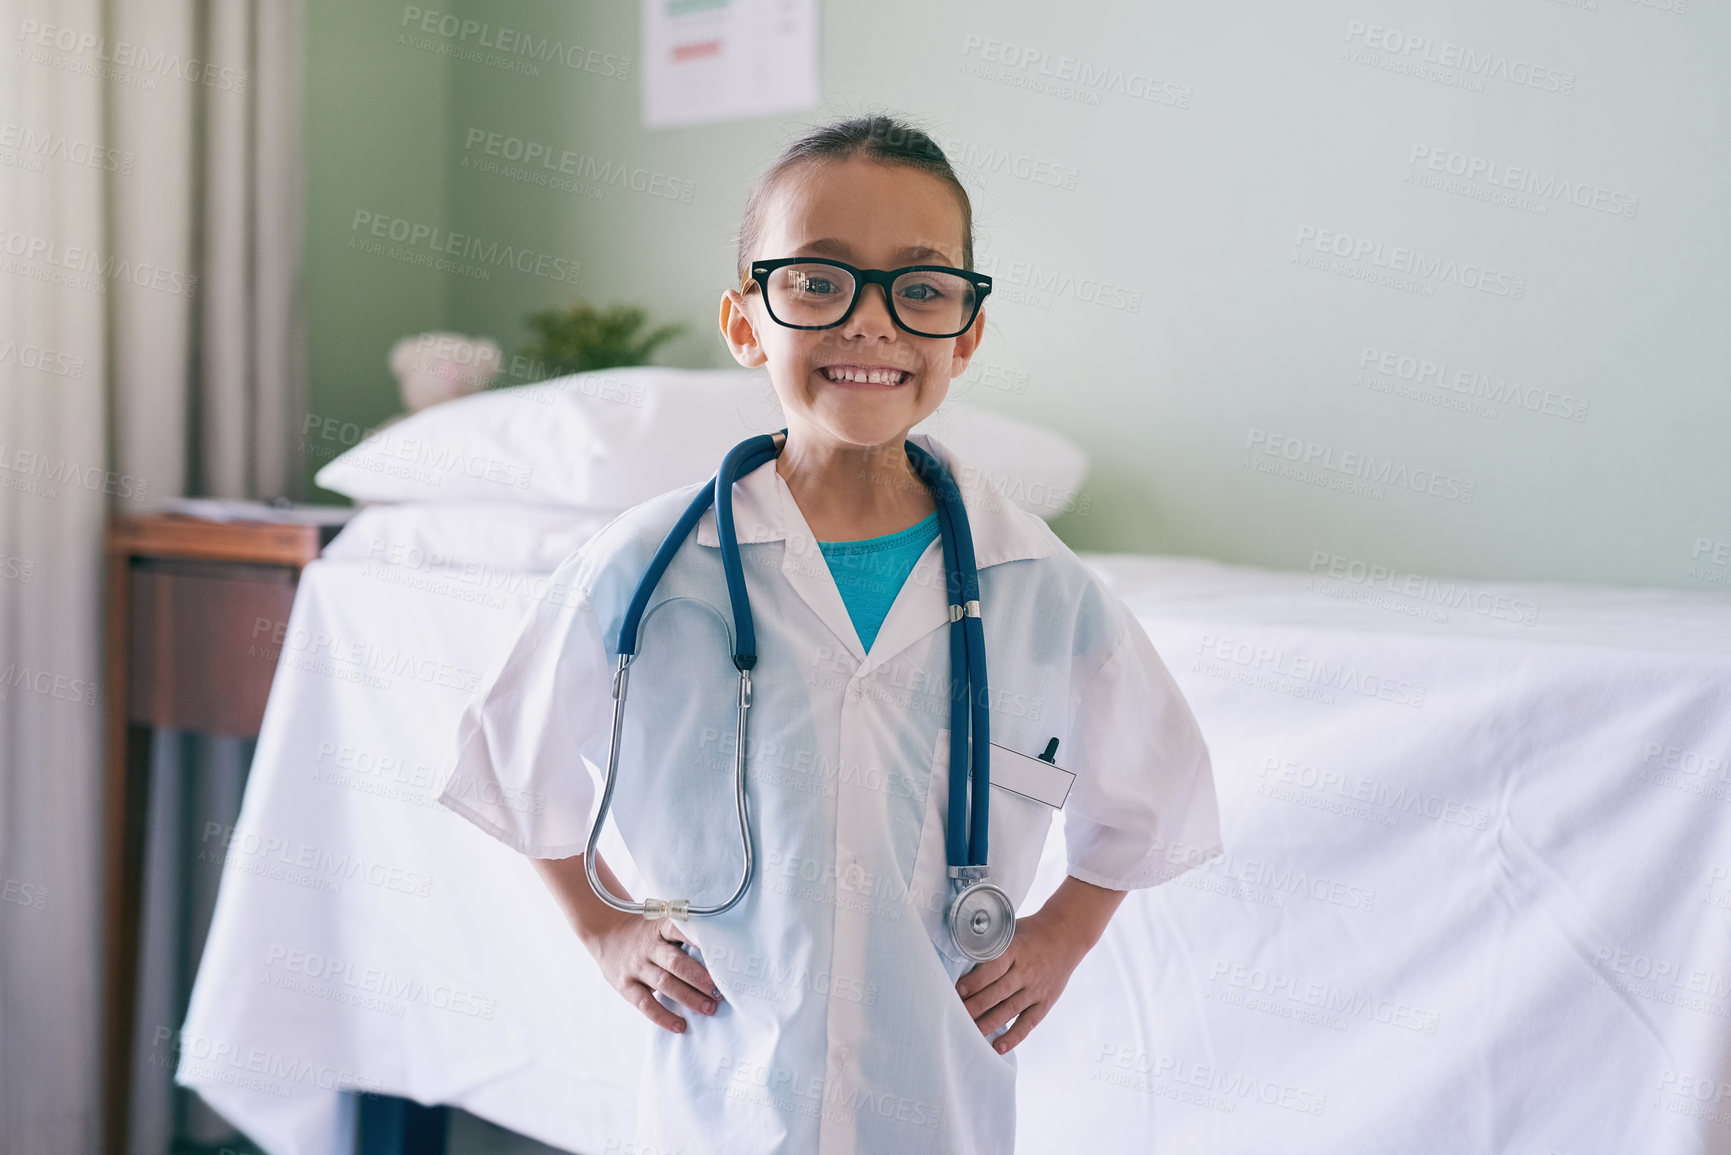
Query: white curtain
point(151, 345)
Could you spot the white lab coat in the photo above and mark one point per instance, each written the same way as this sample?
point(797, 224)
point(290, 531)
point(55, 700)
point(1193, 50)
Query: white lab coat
point(841, 1031)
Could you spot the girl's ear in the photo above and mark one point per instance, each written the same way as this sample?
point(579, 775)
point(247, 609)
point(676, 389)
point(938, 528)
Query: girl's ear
point(967, 345)
point(740, 331)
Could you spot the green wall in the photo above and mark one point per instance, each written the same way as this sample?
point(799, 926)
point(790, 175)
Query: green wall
point(1192, 156)
point(378, 116)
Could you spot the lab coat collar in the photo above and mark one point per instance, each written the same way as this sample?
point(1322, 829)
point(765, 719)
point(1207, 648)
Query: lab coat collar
point(764, 510)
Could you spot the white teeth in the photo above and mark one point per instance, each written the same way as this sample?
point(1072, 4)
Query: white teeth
point(868, 376)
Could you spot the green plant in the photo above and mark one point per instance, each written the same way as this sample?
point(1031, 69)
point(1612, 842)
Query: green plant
point(579, 337)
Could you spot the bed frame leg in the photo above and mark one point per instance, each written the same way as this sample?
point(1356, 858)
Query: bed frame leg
point(392, 1126)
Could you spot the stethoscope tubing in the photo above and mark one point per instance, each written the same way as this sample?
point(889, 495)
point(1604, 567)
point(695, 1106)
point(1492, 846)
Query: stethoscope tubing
point(965, 841)
point(967, 817)
point(672, 908)
point(741, 459)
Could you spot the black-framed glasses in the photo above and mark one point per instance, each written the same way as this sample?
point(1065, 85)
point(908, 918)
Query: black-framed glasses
point(925, 300)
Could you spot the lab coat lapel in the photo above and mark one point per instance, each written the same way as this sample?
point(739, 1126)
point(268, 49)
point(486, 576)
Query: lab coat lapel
point(807, 571)
point(1001, 533)
point(920, 606)
point(764, 510)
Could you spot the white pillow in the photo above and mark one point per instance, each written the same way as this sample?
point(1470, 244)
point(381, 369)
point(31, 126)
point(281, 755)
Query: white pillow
point(606, 439)
point(1030, 465)
point(611, 438)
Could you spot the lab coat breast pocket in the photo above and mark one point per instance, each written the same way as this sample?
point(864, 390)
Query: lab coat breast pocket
point(1016, 834)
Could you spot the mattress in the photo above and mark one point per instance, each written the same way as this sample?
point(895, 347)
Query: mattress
point(1476, 894)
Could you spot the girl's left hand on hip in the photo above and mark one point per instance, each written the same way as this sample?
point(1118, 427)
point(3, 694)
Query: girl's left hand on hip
point(1023, 982)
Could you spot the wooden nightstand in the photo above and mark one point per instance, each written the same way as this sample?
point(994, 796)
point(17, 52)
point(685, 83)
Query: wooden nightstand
point(185, 596)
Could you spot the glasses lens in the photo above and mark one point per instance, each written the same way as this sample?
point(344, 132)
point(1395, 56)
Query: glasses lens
point(933, 303)
point(809, 294)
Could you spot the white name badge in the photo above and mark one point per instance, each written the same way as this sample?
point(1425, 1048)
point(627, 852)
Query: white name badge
point(1030, 777)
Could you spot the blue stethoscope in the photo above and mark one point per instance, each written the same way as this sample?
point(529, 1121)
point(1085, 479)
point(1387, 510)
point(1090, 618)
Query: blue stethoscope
point(980, 915)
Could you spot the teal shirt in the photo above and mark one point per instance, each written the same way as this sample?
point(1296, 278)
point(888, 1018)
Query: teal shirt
point(869, 573)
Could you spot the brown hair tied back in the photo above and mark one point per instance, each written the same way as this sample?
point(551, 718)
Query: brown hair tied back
point(881, 138)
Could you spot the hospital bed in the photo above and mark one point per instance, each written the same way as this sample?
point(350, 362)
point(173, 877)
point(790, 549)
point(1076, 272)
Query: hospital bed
point(1476, 894)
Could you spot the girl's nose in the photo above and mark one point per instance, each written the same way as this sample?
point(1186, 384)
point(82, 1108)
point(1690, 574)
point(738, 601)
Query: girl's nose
point(871, 315)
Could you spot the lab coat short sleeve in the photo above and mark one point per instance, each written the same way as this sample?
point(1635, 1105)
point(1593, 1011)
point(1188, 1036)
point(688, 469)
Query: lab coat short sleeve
point(1143, 808)
point(520, 773)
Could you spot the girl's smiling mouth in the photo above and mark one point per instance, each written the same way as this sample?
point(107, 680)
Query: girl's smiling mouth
point(856, 374)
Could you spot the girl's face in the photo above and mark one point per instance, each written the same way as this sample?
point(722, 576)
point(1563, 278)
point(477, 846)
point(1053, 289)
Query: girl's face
point(873, 216)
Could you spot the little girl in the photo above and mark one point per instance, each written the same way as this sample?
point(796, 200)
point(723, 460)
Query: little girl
point(830, 1010)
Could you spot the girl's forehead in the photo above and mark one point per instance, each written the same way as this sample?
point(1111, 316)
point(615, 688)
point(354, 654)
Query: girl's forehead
point(861, 211)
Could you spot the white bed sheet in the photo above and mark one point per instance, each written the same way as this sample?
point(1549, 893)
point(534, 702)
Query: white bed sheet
point(1476, 897)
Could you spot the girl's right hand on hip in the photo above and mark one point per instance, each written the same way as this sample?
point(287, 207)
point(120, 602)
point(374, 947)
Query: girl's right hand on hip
point(642, 959)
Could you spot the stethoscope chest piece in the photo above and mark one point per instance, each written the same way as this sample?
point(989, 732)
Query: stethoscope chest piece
point(982, 920)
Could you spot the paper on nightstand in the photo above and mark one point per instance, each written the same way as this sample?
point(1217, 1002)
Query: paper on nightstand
point(226, 509)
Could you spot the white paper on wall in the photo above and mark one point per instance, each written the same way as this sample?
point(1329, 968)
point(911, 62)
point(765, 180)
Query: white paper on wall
point(713, 60)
